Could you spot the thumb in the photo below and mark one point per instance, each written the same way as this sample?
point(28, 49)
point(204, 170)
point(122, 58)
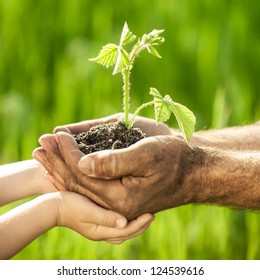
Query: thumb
point(110, 164)
point(101, 216)
point(113, 219)
point(76, 210)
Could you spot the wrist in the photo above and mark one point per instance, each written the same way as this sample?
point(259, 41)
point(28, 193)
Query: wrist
point(184, 172)
point(213, 174)
point(228, 178)
point(193, 177)
point(22, 179)
point(51, 207)
point(64, 210)
point(198, 177)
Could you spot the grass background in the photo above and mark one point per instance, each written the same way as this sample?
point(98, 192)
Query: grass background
point(210, 62)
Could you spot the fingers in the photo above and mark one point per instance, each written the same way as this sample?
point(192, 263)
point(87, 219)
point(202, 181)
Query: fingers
point(69, 150)
point(52, 161)
point(150, 127)
point(62, 165)
point(103, 217)
point(132, 233)
point(111, 164)
point(96, 223)
point(61, 129)
point(77, 211)
point(72, 155)
point(76, 128)
point(50, 156)
point(60, 186)
point(106, 164)
point(40, 155)
point(133, 229)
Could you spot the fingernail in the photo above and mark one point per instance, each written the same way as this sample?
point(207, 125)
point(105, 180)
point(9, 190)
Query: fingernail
point(87, 166)
point(56, 135)
point(40, 140)
point(120, 223)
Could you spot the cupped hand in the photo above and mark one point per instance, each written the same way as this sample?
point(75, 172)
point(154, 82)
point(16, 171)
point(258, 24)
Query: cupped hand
point(96, 223)
point(148, 126)
point(154, 174)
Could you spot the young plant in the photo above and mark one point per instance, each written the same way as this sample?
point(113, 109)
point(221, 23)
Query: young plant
point(112, 54)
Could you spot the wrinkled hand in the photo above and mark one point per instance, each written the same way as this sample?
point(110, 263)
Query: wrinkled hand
point(154, 174)
point(96, 223)
point(148, 126)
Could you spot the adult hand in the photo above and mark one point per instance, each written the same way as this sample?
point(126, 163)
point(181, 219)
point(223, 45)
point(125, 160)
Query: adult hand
point(152, 175)
point(148, 126)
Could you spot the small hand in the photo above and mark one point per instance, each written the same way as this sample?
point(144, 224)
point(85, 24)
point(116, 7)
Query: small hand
point(96, 223)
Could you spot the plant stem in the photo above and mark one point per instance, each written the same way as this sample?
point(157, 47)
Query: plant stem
point(126, 93)
point(126, 88)
point(137, 112)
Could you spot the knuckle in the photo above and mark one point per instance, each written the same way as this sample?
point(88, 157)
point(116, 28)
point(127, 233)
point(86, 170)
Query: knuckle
point(109, 219)
point(71, 186)
point(106, 165)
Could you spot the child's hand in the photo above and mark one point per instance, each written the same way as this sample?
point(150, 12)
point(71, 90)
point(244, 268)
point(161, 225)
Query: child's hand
point(79, 213)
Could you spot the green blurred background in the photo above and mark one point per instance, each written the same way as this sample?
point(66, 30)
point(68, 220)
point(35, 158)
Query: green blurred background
point(210, 62)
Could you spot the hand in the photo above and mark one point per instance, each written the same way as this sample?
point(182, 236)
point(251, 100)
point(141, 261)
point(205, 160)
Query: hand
point(148, 126)
point(151, 175)
point(96, 223)
point(68, 209)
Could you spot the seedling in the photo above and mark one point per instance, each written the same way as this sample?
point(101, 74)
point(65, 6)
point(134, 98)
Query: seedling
point(123, 61)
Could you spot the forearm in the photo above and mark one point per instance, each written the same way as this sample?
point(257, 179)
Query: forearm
point(23, 224)
point(228, 178)
point(231, 138)
point(22, 179)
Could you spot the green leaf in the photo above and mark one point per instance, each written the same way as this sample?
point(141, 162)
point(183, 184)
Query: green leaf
point(127, 36)
point(153, 38)
point(185, 118)
point(164, 106)
point(148, 41)
point(107, 56)
point(153, 51)
point(161, 107)
point(122, 61)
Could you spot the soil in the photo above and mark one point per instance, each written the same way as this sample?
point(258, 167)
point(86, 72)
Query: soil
point(114, 135)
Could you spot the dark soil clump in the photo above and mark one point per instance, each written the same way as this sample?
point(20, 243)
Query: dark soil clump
point(108, 136)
